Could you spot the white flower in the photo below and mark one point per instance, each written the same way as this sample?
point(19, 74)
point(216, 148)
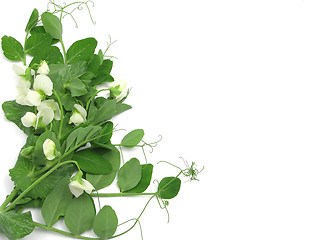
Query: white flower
point(50, 103)
point(77, 187)
point(32, 98)
point(21, 70)
point(29, 120)
point(45, 116)
point(23, 88)
point(43, 85)
point(44, 68)
point(49, 149)
point(79, 115)
point(118, 89)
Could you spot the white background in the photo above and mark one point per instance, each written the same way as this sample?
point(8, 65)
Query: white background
point(233, 85)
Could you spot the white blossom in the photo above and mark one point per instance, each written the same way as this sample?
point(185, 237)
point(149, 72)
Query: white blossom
point(32, 98)
point(118, 89)
point(21, 70)
point(50, 103)
point(79, 115)
point(44, 68)
point(45, 115)
point(43, 85)
point(78, 186)
point(23, 88)
point(49, 149)
point(29, 120)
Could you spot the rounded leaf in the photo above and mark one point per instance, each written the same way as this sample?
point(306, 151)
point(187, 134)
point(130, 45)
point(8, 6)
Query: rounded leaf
point(169, 187)
point(106, 223)
point(129, 175)
point(52, 24)
point(133, 138)
point(80, 214)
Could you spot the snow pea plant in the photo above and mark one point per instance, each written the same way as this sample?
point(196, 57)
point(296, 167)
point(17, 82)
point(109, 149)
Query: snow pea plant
point(68, 155)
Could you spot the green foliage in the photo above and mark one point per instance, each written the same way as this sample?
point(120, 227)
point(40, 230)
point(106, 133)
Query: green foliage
point(129, 175)
point(14, 112)
point(81, 50)
point(169, 187)
point(12, 49)
point(56, 203)
point(33, 20)
point(80, 214)
point(94, 161)
point(105, 223)
point(16, 225)
point(146, 175)
point(52, 24)
point(133, 138)
point(36, 42)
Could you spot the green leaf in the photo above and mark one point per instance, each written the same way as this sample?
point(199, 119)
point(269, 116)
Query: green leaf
point(22, 173)
point(56, 203)
point(105, 223)
point(12, 49)
point(169, 187)
point(76, 87)
point(36, 43)
point(106, 133)
point(133, 138)
point(80, 136)
point(38, 156)
point(50, 54)
point(102, 181)
point(33, 20)
point(16, 225)
point(80, 214)
point(44, 188)
point(146, 175)
point(129, 175)
point(81, 50)
point(14, 112)
point(94, 161)
point(106, 110)
point(52, 24)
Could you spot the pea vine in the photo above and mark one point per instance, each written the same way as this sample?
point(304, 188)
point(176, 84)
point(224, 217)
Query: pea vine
point(69, 156)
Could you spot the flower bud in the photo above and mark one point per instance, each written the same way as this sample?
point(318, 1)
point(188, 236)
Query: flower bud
point(49, 149)
point(79, 115)
point(44, 68)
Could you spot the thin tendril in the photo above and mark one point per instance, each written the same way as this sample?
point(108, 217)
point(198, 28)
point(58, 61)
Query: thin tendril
point(134, 219)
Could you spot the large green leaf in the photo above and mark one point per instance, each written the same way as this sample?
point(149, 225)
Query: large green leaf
point(133, 138)
point(16, 225)
point(169, 187)
point(36, 43)
point(129, 175)
point(146, 175)
point(94, 161)
point(12, 49)
point(76, 87)
point(80, 136)
point(56, 203)
point(22, 173)
point(50, 54)
point(80, 214)
point(105, 223)
point(102, 181)
point(14, 112)
point(52, 24)
point(33, 20)
point(81, 50)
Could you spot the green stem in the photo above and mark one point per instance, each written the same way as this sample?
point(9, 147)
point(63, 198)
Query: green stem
point(39, 225)
point(9, 199)
point(24, 47)
point(13, 204)
point(93, 95)
point(62, 114)
point(120, 194)
point(64, 51)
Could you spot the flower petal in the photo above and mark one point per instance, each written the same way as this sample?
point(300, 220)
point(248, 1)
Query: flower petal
point(29, 119)
point(87, 186)
point(76, 118)
point(33, 98)
point(46, 114)
point(19, 70)
point(76, 188)
point(44, 68)
point(81, 110)
point(53, 105)
point(49, 149)
point(43, 83)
